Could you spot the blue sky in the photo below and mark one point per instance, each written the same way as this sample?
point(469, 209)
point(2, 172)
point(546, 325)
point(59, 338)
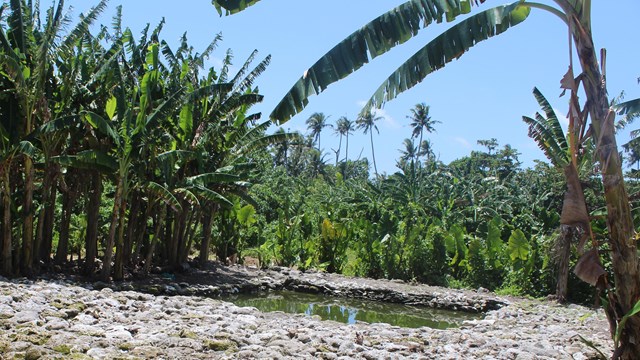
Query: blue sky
point(482, 95)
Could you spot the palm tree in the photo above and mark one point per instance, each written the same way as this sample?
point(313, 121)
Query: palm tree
point(367, 122)
point(421, 121)
point(374, 39)
point(316, 123)
point(425, 149)
point(343, 127)
point(346, 128)
point(410, 152)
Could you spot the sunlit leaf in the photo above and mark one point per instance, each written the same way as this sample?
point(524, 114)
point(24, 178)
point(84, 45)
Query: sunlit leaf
point(518, 247)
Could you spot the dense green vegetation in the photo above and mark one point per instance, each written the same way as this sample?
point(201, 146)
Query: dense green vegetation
point(117, 148)
point(120, 153)
point(168, 150)
point(619, 289)
point(480, 221)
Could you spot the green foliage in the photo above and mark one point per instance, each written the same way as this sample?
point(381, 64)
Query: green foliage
point(518, 247)
point(182, 162)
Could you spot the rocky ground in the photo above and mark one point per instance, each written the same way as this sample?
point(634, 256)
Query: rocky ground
point(179, 317)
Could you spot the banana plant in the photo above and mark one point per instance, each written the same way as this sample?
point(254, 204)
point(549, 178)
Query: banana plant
point(29, 46)
point(569, 154)
point(405, 21)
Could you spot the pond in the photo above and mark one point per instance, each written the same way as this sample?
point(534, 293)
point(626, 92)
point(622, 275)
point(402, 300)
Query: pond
point(349, 310)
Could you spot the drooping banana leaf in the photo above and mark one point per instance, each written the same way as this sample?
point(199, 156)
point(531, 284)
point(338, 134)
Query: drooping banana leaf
point(89, 159)
point(101, 124)
point(56, 125)
point(630, 110)
point(211, 195)
point(189, 196)
point(374, 39)
point(262, 142)
point(176, 156)
point(243, 82)
point(164, 194)
point(448, 46)
point(210, 178)
point(232, 6)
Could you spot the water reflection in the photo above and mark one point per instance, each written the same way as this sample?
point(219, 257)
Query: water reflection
point(349, 310)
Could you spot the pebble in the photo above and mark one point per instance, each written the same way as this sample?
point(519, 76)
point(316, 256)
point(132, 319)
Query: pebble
point(55, 319)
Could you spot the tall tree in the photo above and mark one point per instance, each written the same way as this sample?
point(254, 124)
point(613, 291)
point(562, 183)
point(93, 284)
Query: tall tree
point(410, 151)
point(343, 127)
point(367, 123)
point(346, 128)
point(421, 122)
point(316, 123)
point(569, 157)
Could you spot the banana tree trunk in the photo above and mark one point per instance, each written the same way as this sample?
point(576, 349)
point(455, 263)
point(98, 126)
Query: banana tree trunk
point(118, 273)
point(141, 237)
point(70, 192)
point(93, 217)
point(178, 230)
point(48, 195)
point(624, 254)
point(47, 235)
point(62, 251)
point(160, 220)
point(134, 225)
point(27, 218)
point(7, 266)
point(189, 234)
point(111, 239)
point(564, 254)
point(207, 224)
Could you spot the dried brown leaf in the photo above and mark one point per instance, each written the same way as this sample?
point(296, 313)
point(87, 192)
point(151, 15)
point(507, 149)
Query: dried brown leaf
point(589, 269)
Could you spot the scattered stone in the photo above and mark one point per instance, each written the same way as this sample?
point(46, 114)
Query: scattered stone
point(57, 319)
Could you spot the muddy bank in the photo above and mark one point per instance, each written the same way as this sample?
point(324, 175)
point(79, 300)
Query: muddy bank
point(219, 280)
point(66, 319)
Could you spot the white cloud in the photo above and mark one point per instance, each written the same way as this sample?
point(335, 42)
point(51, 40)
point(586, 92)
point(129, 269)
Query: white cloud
point(463, 142)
